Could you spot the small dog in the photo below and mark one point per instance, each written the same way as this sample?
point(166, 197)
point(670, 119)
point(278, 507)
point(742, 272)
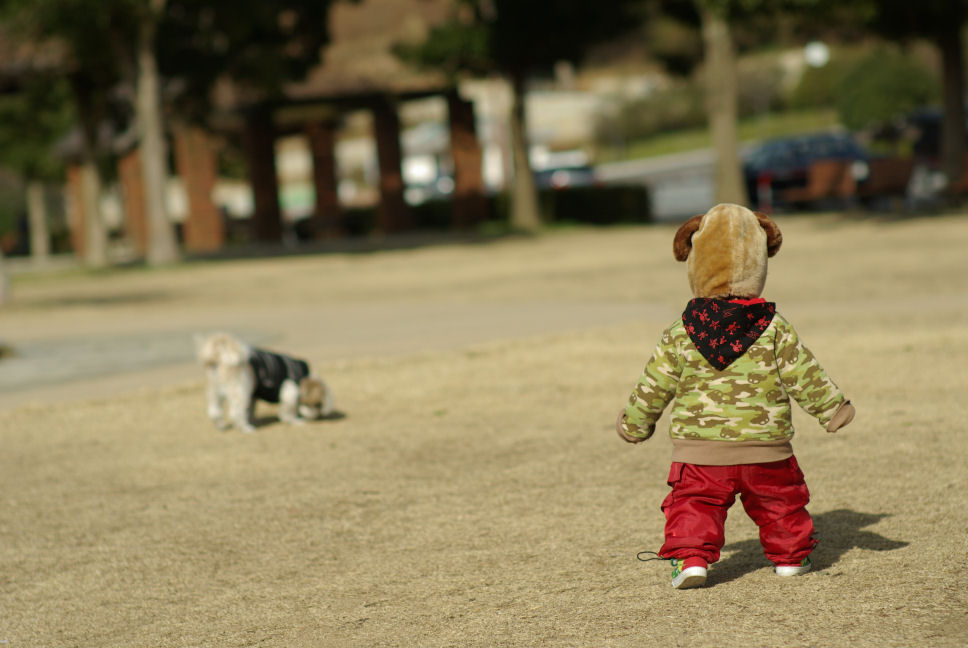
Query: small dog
point(239, 375)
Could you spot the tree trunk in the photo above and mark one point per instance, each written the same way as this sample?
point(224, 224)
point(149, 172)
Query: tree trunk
point(37, 216)
point(4, 281)
point(89, 235)
point(95, 233)
point(721, 105)
point(953, 127)
point(524, 195)
point(162, 246)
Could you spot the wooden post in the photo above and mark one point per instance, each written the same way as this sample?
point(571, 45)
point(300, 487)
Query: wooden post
point(469, 203)
point(133, 200)
point(75, 210)
point(261, 150)
point(195, 161)
point(327, 216)
point(393, 215)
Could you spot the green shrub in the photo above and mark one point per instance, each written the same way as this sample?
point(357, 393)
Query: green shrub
point(12, 202)
point(596, 205)
point(882, 86)
point(759, 89)
point(677, 108)
point(820, 87)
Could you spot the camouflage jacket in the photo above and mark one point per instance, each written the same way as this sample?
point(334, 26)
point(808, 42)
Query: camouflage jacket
point(736, 415)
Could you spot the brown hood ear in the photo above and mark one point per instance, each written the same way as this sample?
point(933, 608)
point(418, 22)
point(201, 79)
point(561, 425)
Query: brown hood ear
point(773, 236)
point(682, 243)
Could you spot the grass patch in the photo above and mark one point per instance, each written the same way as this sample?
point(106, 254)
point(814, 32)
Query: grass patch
point(750, 130)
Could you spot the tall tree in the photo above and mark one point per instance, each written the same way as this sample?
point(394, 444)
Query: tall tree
point(135, 54)
point(720, 20)
point(259, 47)
point(722, 101)
point(33, 117)
point(162, 246)
point(940, 22)
point(92, 69)
point(519, 39)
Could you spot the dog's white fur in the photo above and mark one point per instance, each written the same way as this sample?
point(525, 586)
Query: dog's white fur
point(231, 382)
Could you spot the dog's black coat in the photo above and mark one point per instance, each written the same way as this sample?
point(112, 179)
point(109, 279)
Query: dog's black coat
point(273, 369)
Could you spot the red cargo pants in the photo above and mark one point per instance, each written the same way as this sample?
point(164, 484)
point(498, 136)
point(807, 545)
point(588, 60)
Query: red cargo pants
point(773, 494)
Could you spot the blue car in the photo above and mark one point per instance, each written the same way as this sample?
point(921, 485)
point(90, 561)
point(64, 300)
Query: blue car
point(780, 164)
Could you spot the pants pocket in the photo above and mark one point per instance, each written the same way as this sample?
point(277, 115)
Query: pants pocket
point(675, 476)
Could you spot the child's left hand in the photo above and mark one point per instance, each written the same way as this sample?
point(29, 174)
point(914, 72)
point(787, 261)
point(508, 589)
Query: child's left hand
point(621, 428)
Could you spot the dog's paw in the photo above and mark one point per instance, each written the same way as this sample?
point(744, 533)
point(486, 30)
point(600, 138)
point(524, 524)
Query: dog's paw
point(244, 426)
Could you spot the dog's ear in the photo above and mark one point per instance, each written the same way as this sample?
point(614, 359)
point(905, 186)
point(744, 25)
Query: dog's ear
point(203, 348)
point(682, 243)
point(774, 239)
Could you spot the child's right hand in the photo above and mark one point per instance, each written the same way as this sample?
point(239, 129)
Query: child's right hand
point(622, 428)
point(843, 416)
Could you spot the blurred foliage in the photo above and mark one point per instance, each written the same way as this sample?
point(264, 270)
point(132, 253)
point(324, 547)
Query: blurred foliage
point(12, 203)
point(681, 106)
point(760, 87)
point(517, 37)
point(458, 45)
point(260, 45)
point(820, 86)
point(31, 123)
point(883, 86)
point(593, 205)
point(676, 108)
point(92, 36)
point(676, 44)
point(597, 205)
point(903, 19)
point(750, 129)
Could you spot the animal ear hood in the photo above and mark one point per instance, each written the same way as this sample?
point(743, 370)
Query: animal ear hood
point(725, 251)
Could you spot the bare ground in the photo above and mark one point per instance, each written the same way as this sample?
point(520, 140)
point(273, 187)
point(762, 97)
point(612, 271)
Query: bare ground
point(472, 492)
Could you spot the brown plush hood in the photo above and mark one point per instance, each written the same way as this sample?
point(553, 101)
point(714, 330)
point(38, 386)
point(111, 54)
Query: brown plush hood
point(725, 251)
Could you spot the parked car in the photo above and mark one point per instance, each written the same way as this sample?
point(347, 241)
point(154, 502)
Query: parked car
point(565, 177)
point(777, 166)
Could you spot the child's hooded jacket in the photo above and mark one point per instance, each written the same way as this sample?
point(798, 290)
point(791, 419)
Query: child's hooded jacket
point(731, 363)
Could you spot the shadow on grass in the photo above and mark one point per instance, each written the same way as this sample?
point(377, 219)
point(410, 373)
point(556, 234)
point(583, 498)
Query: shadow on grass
point(271, 419)
point(839, 531)
point(118, 299)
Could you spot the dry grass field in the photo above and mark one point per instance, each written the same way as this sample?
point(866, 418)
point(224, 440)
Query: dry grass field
point(472, 491)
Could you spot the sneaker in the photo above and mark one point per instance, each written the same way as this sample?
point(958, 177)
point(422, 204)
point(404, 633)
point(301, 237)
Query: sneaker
point(687, 577)
point(794, 570)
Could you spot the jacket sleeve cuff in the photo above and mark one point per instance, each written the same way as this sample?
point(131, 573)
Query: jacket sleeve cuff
point(828, 413)
point(843, 416)
point(642, 430)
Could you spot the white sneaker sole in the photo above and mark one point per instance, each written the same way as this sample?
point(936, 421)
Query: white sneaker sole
point(792, 570)
point(689, 578)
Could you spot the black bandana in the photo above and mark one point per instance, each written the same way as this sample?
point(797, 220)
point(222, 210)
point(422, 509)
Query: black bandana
point(723, 330)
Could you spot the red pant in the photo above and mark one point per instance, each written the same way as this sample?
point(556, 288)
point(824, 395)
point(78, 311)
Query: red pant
point(774, 495)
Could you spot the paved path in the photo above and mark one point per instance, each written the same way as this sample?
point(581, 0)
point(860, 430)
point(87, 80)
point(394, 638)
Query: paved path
point(90, 366)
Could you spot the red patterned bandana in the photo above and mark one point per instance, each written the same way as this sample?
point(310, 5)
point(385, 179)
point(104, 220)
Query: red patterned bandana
point(723, 330)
